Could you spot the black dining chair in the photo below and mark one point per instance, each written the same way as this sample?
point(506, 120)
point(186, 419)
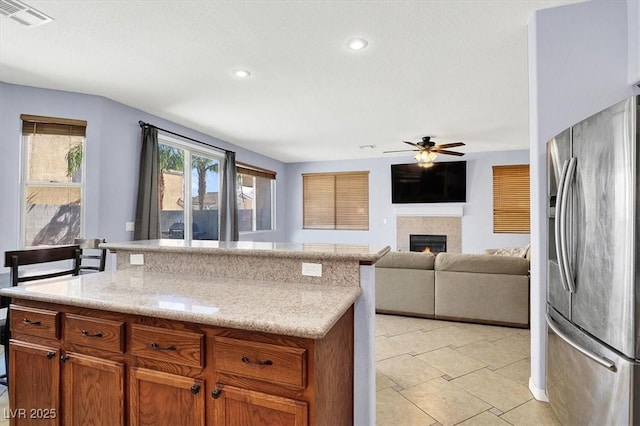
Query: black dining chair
point(39, 255)
point(92, 258)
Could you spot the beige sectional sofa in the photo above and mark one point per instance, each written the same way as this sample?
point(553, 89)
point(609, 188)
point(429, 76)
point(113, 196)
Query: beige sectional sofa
point(482, 288)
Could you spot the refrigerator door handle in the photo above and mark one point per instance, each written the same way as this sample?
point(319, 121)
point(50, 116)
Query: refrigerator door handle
point(558, 220)
point(566, 269)
point(606, 363)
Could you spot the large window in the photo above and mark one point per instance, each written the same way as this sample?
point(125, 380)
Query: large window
point(336, 200)
point(52, 189)
point(256, 198)
point(511, 211)
point(189, 202)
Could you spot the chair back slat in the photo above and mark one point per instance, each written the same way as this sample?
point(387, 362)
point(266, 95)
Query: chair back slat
point(97, 259)
point(40, 255)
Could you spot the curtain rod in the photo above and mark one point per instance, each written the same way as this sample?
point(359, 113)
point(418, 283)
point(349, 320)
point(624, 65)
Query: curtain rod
point(143, 124)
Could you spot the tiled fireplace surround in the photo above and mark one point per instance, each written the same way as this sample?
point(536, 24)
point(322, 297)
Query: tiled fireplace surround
point(429, 220)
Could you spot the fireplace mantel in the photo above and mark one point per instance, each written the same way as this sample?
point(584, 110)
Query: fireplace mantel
point(448, 210)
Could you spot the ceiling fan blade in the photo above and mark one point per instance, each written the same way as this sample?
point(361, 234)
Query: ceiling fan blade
point(449, 145)
point(444, 151)
point(401, 150)
point(413, 144)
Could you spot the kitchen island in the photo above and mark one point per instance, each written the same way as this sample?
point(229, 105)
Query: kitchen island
point(214, 333)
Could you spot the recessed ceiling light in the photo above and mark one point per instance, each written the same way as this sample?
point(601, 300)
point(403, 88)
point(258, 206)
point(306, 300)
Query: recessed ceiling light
point(357, 44)
point(242, 73)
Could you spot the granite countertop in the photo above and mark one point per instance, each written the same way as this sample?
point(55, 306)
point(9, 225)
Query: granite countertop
point(293, 309)
point(318, 251)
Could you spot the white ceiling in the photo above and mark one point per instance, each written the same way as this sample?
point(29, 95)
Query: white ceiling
point(455, 70)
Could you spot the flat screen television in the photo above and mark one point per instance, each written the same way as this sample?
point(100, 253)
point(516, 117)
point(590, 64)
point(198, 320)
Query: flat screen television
point(444, 182)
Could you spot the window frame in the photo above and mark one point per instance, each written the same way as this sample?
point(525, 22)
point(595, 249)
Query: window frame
point(25, 183)
point(189, 149)
point(272, 202)
point(502, 226)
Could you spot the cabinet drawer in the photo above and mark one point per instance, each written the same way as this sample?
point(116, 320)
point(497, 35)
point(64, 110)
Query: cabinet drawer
point(180, 347)
point(283, 365)
point(37, 322)
point(94, 332)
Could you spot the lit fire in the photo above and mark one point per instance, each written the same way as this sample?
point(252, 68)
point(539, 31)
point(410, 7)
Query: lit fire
point(426, 250)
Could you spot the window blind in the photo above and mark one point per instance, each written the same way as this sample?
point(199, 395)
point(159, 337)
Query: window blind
point(336, 201)
point(35, 124)
point(247, 169)
point(511, 202)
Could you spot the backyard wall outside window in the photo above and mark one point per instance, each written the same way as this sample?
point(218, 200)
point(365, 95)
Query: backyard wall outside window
point(336, 200)
point(52, 180)
point(511, 202)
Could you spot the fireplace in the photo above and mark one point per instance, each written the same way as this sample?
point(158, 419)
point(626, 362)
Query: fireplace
point(432, 243)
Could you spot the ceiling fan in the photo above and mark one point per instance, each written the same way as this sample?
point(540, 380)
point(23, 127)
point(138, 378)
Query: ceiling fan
point(428, 150)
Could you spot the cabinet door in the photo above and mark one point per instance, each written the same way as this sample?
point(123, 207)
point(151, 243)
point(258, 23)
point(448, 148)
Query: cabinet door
point(93, 391)
point(158, 398)
point(239, 407)
point(34, 391)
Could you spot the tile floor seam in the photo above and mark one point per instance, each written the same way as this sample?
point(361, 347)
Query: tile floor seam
point(412, 403)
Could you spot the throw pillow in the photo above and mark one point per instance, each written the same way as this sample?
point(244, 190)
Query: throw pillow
point(513, 251)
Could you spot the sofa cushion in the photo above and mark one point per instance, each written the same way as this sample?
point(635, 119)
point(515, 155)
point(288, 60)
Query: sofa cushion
point(482, 263)
point(407, 260)
point(405, 291)
point(502, 299)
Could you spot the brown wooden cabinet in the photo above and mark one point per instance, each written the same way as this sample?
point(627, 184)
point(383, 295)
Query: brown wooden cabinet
point(34, 371)
point(75, 362)
point(93, 391)
point(157, 398)
point(239, 407)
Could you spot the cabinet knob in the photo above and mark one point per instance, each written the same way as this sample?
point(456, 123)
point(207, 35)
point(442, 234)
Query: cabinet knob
point(50, 355)
point(64, 358)
point(195, 389)
point(215, 393)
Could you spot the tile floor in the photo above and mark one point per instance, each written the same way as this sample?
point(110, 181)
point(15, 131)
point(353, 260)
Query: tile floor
point(432, 372)
point(445, 373)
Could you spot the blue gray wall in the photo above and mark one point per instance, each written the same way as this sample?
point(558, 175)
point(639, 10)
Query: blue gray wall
point(477, 221)
point(112, 155)
point(582, 58)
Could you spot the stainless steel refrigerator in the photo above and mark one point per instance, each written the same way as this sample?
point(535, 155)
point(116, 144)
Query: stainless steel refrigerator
point(593, 297)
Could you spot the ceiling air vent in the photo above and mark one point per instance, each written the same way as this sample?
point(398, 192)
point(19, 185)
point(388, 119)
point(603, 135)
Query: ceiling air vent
point(22, 13)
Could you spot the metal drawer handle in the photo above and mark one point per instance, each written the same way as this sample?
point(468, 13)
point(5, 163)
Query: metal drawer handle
point(50, 355)
point(246, 360)
point(195, 389)
point(157, 347)
point(605, 362)
point(29, 322)
point(86, 333)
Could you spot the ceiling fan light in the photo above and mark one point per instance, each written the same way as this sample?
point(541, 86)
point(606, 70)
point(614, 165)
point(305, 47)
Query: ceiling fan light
point(425, 164)
point(432, 156)
point(423, 156)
